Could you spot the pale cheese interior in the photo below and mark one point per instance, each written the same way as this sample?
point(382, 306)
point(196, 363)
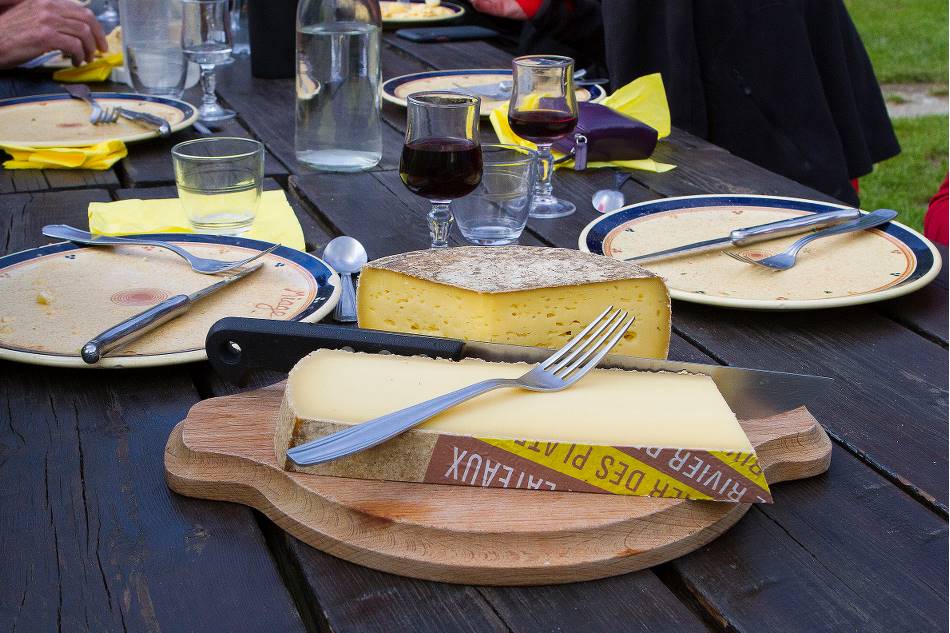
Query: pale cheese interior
point(541, 317)
point(606, 407)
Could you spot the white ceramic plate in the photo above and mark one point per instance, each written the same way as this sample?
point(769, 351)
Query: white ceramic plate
point(56, 297)
point(58, 120)
point(844, 270)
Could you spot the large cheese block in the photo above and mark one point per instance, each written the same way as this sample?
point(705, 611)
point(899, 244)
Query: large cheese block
point(520, 295)
point(614, 431)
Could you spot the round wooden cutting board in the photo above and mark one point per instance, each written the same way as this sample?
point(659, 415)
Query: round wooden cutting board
point(224, 450)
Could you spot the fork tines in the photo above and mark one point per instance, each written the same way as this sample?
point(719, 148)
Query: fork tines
point(740, 257)
point(589, 348)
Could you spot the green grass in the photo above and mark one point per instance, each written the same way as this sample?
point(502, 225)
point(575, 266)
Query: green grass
point(906, 182)
point(906, 39)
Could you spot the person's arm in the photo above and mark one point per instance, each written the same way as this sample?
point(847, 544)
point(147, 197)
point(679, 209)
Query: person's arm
point(33, 27)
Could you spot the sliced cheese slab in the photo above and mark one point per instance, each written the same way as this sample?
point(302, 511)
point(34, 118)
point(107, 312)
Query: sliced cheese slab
point(617, 432)
point(520, 295)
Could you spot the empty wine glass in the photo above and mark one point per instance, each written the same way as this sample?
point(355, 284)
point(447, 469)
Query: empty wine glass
point(543, 108)
point(206, 41)
point(441, 159)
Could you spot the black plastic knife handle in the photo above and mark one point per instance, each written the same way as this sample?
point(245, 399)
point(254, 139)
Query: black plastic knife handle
point(237, 346)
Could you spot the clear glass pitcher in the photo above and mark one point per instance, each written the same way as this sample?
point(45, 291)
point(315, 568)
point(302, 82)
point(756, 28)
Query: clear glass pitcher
point(338, 126)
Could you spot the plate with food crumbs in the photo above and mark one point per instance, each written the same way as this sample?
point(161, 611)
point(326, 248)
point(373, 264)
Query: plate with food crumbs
point(407, 13)
point(57, 297)
point(58, 120)
point(841, 270)
point(397, 89)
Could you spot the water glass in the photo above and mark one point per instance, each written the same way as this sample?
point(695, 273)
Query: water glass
point(151, 37)
point(219, 180)
point(497, 211)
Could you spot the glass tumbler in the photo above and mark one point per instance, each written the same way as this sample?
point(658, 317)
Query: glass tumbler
point(497, 211)
point(220, 180)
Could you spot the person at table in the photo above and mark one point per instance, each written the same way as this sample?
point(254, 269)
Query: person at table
point(786, 85)
point(29, 28)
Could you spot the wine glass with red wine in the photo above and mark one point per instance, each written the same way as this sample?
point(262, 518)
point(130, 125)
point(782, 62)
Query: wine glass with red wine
point(441, 159)
point(543, 108)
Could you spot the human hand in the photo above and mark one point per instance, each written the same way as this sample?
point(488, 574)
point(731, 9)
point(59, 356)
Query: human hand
point(501, 8)
point(33, 27)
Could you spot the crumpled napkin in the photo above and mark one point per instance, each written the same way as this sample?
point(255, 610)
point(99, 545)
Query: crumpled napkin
point(99, 156)
point(643, 98)
point(275, 220)
point(96, 70)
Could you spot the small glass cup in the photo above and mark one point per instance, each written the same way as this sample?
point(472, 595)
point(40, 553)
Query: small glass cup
point(219, 180)
point(497, 211)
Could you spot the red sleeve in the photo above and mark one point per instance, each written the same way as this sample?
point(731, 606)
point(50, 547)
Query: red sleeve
point(530, 7)
point(937, 218)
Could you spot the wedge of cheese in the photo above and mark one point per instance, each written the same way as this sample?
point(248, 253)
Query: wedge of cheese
point(616, 432)
point(520, 295)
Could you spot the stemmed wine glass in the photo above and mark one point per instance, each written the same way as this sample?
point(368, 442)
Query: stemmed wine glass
point(441, 159)
point(109, 17)
point(206, 41)
point(543, 108)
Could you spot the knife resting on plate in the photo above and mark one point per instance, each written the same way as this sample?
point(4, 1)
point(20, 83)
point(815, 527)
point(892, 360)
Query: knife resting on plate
point(237, 346)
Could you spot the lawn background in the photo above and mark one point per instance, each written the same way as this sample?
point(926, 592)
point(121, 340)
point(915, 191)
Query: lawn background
point(907, 43)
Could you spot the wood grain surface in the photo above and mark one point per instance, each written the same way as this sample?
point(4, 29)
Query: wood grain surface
point(224, 450)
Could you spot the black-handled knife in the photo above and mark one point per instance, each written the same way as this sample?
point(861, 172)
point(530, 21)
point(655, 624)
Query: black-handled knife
point(237, 346)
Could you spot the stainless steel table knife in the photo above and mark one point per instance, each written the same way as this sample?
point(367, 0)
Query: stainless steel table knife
point(134, 327)
point(161, 125)
point(753, 234)
point(236, 346)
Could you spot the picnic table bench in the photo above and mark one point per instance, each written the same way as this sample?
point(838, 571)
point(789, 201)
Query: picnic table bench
point(92, 539)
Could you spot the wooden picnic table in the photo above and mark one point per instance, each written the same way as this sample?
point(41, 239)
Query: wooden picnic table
point(92, 539)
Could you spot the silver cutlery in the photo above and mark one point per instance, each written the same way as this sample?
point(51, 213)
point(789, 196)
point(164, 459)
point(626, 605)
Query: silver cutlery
point(157, 123)
point(201, 265)
point(559, 371)
point(607, 200)
point(346, 256)
point(136, 326)
point(753, 234)
point(82, 92)
point(786, 259)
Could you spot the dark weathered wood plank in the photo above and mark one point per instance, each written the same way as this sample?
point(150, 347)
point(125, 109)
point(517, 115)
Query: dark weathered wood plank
point(846, 551)
point(450, 55)
point(96, 540)
point(924, 311)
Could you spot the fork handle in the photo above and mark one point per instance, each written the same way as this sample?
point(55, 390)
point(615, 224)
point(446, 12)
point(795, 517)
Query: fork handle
point(66, 232)
point(870, 220)
point(368, 434)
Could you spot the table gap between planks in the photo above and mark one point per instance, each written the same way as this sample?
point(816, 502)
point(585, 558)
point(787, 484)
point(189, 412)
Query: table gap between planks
point(99, 543)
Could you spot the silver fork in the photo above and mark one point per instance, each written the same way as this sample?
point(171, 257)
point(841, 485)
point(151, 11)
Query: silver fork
point(82, 92)
point(559, 371)
point(786, 259)
point(108, 114)
point(201, 265)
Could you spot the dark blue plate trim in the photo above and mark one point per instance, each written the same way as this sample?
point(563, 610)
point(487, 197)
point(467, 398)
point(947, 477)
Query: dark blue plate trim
point(599, 231)
point(181, 106)
point(320, 271)
point(390, 85)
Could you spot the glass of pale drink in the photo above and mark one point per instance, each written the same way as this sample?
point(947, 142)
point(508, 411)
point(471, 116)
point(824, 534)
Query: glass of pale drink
point(219, 180)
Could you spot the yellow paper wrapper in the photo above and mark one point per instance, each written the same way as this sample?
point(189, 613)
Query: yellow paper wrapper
point(275, 220)
point(99, 156)
point(643, 98)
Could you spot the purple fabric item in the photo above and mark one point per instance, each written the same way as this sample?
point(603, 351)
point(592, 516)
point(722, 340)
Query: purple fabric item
point(610, 135)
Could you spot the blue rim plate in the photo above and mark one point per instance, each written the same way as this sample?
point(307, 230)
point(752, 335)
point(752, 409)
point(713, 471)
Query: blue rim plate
point(445, 82)
point(457, 12)
point(170, 106)
point(924, 260)
point(324, 299)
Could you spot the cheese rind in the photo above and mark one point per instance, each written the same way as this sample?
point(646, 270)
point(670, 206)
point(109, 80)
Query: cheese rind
point(512, 294)
point(646, 424)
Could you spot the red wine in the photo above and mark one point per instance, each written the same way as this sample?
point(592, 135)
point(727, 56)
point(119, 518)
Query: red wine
point(441, 168)
point(541, 126)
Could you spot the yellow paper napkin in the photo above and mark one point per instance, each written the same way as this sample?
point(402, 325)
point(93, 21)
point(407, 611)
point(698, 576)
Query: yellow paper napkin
point(97, 70)
point(643, 98)
point(275, 220)
point(99, 156)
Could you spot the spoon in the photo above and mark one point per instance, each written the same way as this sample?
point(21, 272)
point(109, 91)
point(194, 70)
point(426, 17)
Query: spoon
point(607, 200)
point(346, 256)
